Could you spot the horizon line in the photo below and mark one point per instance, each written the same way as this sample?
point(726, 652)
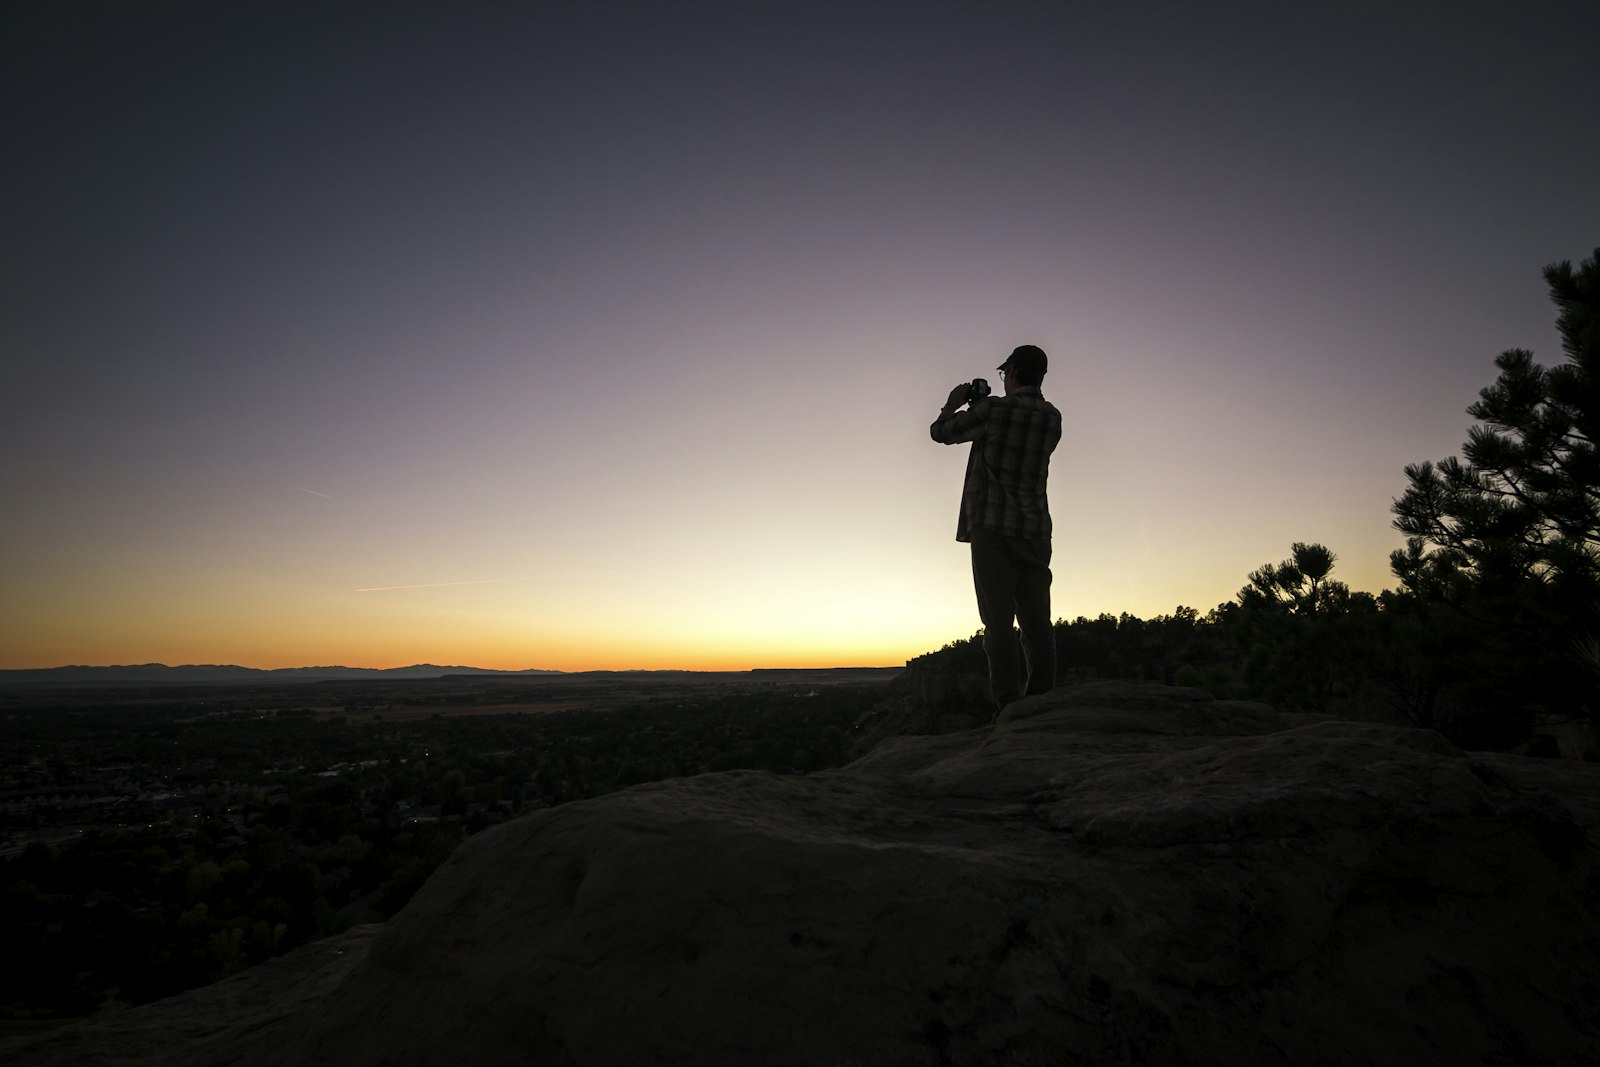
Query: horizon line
point(455, 666)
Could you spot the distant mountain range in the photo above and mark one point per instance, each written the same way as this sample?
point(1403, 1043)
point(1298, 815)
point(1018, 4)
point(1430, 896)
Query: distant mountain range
point(137, 674)
point(228, 674)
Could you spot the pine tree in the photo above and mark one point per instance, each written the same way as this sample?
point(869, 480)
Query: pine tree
point(1514, 532)
point(1300, 584)
point(1502, 556)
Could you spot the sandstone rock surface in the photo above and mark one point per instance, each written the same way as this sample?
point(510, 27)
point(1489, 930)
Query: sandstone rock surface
point(1114, 874)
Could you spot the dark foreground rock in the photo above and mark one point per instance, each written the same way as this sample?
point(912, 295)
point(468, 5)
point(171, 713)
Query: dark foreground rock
point(1115, 874)
point(215, 1025)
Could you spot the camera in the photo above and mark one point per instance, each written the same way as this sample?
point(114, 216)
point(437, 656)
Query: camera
point(978, 389)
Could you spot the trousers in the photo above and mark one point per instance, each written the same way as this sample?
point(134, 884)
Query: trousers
point(1012, 579)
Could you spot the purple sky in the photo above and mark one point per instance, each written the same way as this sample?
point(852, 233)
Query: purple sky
point(633, 316)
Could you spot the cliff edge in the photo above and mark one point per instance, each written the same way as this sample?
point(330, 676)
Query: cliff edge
point(1116, 873)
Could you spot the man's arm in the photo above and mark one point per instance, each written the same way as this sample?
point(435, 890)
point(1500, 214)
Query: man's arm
point(952, 427)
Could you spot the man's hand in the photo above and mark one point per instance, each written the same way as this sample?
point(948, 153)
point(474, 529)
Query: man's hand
point(958, 396)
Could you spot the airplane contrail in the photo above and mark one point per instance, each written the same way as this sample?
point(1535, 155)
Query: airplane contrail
point(313, 492)
point(438, 585)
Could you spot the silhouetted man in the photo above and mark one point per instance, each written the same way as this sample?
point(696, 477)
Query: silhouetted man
point(1006, 517)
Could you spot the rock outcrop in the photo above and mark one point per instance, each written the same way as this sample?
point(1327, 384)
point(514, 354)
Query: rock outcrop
point(935, 694)
point(1114, 874)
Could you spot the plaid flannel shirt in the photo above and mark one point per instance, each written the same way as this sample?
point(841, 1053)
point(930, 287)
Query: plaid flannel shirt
point(1012, 437)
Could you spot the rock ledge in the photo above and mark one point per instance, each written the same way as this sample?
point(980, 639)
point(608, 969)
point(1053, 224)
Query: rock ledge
point(1115, 874)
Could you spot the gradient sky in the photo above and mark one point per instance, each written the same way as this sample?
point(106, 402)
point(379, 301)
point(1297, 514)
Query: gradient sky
point(634, 316)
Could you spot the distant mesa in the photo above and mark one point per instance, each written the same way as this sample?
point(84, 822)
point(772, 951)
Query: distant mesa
point(1116, 873)
point(227, 674)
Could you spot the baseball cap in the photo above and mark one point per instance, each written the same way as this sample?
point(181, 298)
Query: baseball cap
point(1026, 360)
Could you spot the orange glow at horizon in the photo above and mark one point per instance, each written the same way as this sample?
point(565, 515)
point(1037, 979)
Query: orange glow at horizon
point(812, 620)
